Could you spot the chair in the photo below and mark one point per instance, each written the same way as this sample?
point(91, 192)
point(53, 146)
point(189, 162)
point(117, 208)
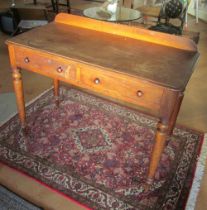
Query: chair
point(57, 3)
point(156, 12)
point(8, 22)
point(171, 10)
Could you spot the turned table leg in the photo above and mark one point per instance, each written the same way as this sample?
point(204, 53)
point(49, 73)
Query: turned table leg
point(159, 144)
point(169, 108)
point(175, 114)
point(56, 91)
point(18, 88)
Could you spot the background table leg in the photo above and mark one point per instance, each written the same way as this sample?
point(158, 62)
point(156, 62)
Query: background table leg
point(56, 91)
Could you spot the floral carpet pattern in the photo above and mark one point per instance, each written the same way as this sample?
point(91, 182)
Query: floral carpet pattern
point(98, 152)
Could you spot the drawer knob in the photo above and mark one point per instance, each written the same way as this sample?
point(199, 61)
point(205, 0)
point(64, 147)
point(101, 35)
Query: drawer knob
point(97, 81)
point(59, 69)
point(26, 60)
point(140, 93)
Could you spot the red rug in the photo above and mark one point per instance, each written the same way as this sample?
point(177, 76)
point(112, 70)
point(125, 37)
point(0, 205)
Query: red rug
point(97, 153)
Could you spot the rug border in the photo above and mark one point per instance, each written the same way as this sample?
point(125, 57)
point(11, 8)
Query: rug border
point(198, 176)
point(45, 185)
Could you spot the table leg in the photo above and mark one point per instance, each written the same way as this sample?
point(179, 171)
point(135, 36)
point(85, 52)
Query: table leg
point(175, 114)
point(18, 88)
point(160, 139)
point(56, 91)
point(169, 108)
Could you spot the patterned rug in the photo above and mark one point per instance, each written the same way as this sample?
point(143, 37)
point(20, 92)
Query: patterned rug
point(97, 153)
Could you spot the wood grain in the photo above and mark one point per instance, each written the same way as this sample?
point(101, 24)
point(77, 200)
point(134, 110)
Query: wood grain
point(127, 31)
point(18, 87)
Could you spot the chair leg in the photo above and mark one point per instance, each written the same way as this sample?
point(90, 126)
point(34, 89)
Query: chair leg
point(53, 5)
point(57, 5)
point(15, 32)
point(46, 15)
point(68, 6)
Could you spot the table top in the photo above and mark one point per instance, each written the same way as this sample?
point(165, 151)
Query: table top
point(123, 14)
point(163, 65)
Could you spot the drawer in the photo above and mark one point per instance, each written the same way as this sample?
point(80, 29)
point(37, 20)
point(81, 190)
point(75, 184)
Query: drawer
point(123, 87)
point(45, 64)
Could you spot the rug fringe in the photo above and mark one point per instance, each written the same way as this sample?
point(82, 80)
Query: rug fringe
point(198, 176)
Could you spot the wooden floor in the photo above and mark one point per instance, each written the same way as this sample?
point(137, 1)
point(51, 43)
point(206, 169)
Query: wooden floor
point(193, 114)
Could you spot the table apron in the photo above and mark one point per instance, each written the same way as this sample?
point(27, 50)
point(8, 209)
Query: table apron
point(108, 82)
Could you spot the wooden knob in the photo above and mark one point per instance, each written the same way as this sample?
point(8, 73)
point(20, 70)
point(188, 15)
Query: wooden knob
point(59, 69)
point(97, 81)
point(26, 60)
point(140, 93)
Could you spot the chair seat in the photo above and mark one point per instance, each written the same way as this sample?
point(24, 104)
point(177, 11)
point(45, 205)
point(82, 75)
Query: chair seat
point(167, 28)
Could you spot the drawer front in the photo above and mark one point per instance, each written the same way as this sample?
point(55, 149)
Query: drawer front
point(122, 87)
point(112, 84)
point(45, 64)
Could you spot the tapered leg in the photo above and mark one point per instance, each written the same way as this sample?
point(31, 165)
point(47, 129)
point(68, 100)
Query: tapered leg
point(159, 144)
point(175, 114)
point(18, 88)
point(56, 91)
point(169, 108)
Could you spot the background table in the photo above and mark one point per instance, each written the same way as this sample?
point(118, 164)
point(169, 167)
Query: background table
point(123, 14)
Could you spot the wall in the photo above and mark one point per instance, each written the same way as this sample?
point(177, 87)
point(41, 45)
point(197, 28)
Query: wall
point(202, 9)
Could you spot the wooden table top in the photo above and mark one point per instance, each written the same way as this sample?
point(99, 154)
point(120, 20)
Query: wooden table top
point(164, 65)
